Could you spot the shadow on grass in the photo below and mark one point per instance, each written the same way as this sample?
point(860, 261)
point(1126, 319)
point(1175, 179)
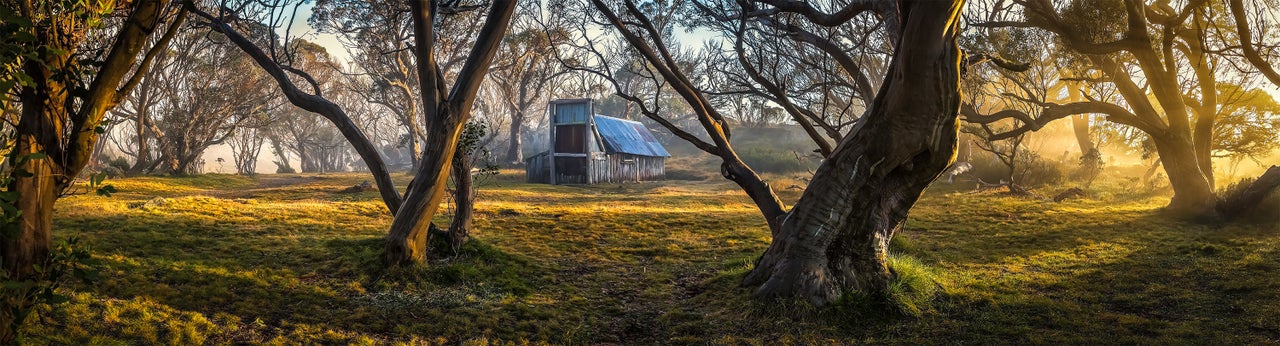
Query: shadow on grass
point(1175, 292)
point(1141, 279)
point(1030, 232)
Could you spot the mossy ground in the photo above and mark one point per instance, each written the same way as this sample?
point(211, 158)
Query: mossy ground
point(289, 260)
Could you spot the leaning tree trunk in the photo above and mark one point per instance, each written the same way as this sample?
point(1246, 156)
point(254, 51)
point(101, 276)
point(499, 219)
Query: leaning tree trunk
point(1080, 126)
point(315, 104)
point(836, 238)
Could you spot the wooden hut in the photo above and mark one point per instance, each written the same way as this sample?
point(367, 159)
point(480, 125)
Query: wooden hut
point(588, 148)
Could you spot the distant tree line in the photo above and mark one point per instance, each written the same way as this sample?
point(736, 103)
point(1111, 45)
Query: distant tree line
point(881, 88)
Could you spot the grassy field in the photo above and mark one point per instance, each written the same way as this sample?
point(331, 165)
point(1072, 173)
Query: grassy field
point(289, 260)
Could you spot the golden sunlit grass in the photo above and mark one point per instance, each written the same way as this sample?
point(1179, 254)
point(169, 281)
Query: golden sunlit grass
point(289, 260)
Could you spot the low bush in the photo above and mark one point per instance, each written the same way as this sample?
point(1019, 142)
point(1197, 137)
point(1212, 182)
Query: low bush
point(766, 160)
point(686, 174)
point(1231, 201)
point(1039, 172)
point(1030, 170)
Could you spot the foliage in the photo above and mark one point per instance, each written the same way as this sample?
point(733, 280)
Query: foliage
point(1037, 170)
point(17, 41)
point(1089, 167)
point(69, 260)
point(1248, 124)
point(472, 144)
point(120, 163)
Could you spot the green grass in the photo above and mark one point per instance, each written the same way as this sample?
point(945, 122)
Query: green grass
point(288, 260)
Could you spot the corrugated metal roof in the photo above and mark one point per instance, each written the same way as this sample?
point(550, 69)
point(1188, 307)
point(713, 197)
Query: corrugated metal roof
point(630, 137)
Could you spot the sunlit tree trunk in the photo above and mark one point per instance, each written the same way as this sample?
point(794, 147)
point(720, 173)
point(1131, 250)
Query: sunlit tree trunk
point(415, 147)
point(836, 238)
point(38, 131)
point(407, 240)
point(1080, 123)
point(1080, 127)
point(1206, 110)
point(446, 112)
point(1192, 193)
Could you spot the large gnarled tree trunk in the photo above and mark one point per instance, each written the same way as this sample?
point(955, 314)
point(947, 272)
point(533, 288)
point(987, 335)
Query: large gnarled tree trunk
point(1193, 194)
point(836, 238)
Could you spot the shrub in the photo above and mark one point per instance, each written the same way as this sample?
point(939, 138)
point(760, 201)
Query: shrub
point(767, 160)
point(1028, 171)
point(119, 163)
point(1036, 171)
point(21, 296)
point(284, 168)
point(1089, 167)
point(1231, 202)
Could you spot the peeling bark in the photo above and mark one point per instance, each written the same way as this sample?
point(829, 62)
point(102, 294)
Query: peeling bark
point(463, 200)
point(836, 238)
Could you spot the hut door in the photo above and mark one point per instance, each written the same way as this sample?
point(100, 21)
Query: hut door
point(571, 170)
point(571, 139)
